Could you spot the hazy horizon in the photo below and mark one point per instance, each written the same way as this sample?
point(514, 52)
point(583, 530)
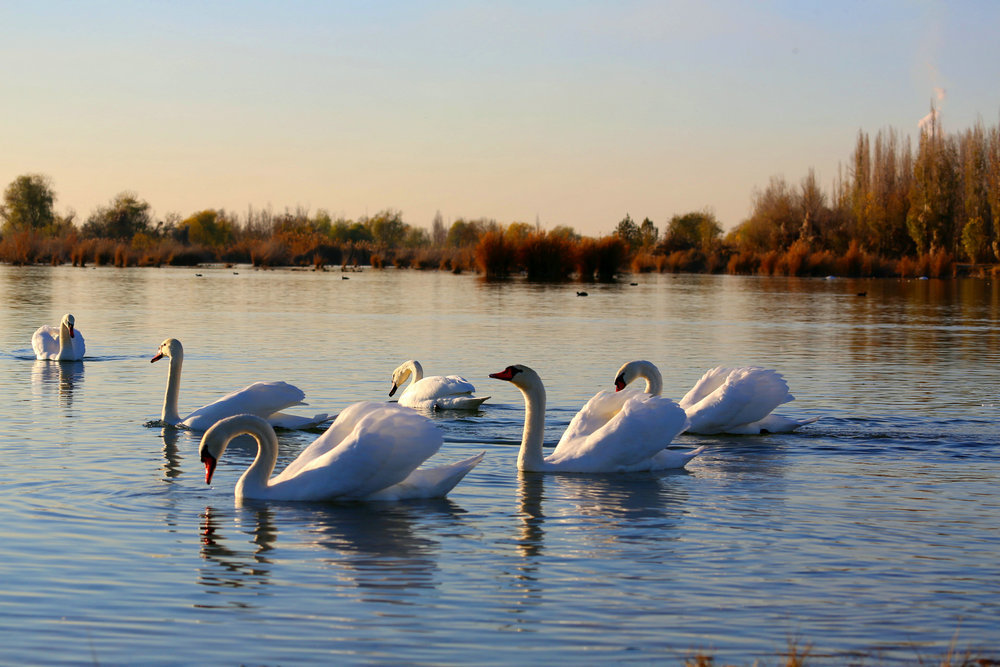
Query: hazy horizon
point(563, 113)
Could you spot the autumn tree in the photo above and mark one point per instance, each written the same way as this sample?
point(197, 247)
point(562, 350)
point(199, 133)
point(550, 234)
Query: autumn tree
point(27, 204)
point(125, 217)
point(628, 232)
point(438, 232)
point(208, 227)
point(932, 195)
point(697, 230)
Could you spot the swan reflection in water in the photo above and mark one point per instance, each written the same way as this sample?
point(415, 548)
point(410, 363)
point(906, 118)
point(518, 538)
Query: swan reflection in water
point(614, 517)
point(171, 455)
point(387, 550)
point(59, 377)
point(233, 565)
point(604, 509)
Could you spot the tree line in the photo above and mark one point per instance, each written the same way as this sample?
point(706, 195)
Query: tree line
point(892, 210)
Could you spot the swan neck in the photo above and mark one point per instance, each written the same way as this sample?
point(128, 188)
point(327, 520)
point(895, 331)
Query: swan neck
point(65, 341)
point(654, 385)
point(417, 371)
point(255, 480)
point(169, 414)
point(651, 374)
point(530, 458)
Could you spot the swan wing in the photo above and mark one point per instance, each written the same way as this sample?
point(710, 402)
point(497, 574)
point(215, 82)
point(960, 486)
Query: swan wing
point(710, 382)
point(260, 398)
point(435, 389)
point(337, 433)
point(366, 450)
point(747, 395)
point(597, 412)
point(78, 345)
point(643, 427)
point(45, 342)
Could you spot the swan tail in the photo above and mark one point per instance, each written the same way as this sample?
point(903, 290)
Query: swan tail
point(297, 422)
point(427, 483)
point(460, 403)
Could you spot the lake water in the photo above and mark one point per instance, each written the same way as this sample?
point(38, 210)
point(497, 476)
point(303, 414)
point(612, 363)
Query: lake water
point(872, 535)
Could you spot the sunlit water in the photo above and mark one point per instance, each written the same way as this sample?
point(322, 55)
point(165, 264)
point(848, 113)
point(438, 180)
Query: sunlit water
point(872, 535)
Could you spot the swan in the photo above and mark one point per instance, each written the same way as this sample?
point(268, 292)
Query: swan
point(613, 432)
point(370, 452)
point(436, 392)
point(725, 400)
point(265, 399)
point(59, 344)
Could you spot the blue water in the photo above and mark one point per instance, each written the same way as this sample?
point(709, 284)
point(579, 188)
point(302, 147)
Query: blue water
point(871, 536)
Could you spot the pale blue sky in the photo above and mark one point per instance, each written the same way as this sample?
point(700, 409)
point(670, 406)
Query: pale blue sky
point(571, 113)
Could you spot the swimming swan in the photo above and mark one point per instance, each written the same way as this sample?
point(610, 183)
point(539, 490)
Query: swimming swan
point(370, 452)
point(62, 344)
point(441, 392)
point(264, 399)
point(613, 432)
point(725, 400)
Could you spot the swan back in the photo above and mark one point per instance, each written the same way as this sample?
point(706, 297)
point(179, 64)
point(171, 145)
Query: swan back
point(260, 398)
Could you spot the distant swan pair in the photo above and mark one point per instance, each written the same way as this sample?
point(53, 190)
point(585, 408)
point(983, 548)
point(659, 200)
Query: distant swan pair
point(629, 430)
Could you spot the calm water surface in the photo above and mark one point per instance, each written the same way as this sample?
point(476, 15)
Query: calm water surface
point(872, 535)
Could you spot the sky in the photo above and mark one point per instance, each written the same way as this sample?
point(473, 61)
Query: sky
point(557, 113)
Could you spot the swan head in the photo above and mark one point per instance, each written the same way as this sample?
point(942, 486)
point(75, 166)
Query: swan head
point(634, 370)
point(217, 438)
point(401, 375)
point(69, 322)
point(518, 375)
point(170, 348)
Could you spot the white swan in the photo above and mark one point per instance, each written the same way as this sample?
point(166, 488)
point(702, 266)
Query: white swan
point(64, 343)
point(371, 452)
point(264, 399)
point(725, 400)
point(613, 432)
point(441, 392)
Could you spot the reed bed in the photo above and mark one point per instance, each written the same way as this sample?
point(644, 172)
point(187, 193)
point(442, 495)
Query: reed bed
point(497, 254)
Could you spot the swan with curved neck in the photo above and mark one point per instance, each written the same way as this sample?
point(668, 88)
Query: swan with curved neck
point(435, 392)
point(613, 432)
point(725, 400)
point(64, 343)
point(370, 452)
point(264, 399)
